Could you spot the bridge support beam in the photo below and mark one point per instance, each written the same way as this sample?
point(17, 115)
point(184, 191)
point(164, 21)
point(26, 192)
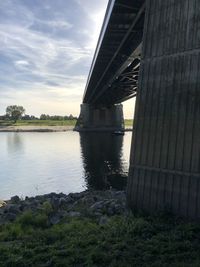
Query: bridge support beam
point(100, 119)
point(165, 155)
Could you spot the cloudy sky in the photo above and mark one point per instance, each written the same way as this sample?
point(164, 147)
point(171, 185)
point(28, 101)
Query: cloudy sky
point(46, 49)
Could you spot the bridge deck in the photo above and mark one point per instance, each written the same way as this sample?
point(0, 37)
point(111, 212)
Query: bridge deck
point(114, 71)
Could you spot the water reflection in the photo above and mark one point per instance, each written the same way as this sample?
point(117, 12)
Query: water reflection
point(14, 143)
point(102, 160)
point(39, 163)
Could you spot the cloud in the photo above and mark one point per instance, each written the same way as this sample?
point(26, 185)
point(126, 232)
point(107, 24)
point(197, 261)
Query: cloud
point(46, 49)
point(21, 64)
point(58, 24)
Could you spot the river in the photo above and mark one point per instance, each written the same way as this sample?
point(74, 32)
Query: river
point(39, 163)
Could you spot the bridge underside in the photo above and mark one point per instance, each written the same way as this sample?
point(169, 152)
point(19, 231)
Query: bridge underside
point(114, 72)
point(165, 157)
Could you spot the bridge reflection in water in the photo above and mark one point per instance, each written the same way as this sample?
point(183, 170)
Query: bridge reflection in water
point(103, 161)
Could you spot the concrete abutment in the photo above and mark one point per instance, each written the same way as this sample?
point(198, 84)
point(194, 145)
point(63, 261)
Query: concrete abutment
point(100, 118)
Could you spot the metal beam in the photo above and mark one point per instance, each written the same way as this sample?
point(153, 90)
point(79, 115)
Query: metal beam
point(127, 6)
point(133, 56)
point(126, 98)
point(117, 52)
point(102, 33)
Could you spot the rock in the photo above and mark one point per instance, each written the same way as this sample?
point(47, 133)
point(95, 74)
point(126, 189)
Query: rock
point(89, 200)
point(97, 206)
point(24, 205)
point(51, 195)
point(12, 208)
point(118, 209)
point(30, 198)
point(77, 196)
point(103, 220)
point(55, 219)
point(100, 204)
point(2, 203)
point(55, 203)
point(15, 199)
point(98, 214)
point(120, 194)
point(36, 202)
point(62, 202)
point(1, 212)
point(61, 195)
point(74, 214)
point(10, 217)
point(110, 211)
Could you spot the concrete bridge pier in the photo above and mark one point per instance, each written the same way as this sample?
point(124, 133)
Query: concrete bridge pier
point(165, 156)
point(100, 118)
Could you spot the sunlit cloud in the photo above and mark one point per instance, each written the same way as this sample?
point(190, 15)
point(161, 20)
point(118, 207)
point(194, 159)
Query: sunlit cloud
point(46, 48)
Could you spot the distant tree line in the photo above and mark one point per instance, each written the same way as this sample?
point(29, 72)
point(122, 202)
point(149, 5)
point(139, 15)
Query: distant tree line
point(57, 117)
point(18, 113)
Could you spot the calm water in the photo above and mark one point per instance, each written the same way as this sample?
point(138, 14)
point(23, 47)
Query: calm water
point(38, 163)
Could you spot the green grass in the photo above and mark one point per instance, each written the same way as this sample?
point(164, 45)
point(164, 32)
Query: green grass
point(122, 242)
point(128, 123)
point(5, 123)
point(38, 123)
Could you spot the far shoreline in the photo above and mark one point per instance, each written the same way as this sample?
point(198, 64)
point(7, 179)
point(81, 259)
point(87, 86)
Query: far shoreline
point(50, 126)
point(35, 128)
point(42, 129)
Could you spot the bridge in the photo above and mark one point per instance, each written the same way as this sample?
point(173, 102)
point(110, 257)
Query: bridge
point(114, 71)
point(152, 48)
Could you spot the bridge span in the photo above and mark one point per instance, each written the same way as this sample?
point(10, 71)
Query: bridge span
point(113, 76)
point(152, 47)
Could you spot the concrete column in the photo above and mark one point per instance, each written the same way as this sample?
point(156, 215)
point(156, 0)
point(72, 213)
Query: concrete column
point(106, 118)
point(165, 155)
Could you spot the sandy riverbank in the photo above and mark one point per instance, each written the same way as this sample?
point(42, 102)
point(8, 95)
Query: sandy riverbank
point(36, 128)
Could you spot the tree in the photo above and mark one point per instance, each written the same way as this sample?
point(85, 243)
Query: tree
point(15, 112)
point(44, 117)
point(71, 117)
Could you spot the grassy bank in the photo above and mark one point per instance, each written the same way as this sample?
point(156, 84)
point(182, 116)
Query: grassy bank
point(121, 242)
point(128, 123)
point(38, 123)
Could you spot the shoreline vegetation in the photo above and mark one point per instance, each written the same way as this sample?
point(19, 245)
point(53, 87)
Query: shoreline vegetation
point(92, 228)
point(38, 123)
point(44, 125)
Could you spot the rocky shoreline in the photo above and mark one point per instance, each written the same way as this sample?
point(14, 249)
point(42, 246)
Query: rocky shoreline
point(98, 204)
point(92, 228)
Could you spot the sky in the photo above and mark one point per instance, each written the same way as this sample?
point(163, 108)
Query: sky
point(46, 50)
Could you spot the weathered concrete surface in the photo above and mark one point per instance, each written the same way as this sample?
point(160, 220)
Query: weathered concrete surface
point(165, 155)
point(105, 118)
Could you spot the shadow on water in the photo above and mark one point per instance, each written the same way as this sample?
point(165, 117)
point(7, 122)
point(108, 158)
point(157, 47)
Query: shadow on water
point(102, 160)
